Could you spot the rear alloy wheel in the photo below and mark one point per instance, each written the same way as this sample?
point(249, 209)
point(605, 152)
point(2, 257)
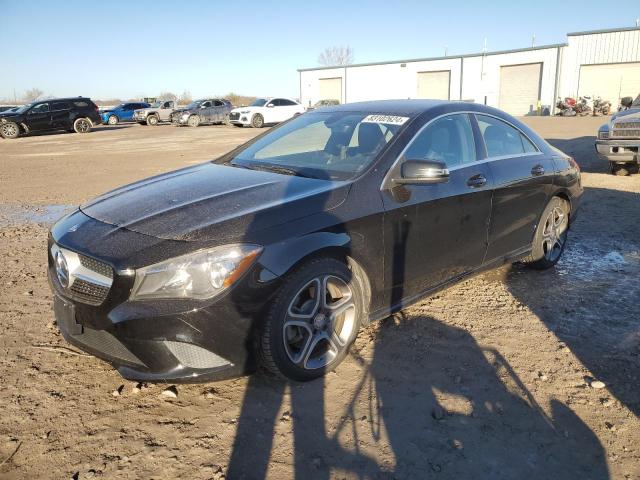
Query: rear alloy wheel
point(9, 130)
point(313, 321)
point(194, 121)
point(113, 120)
point(82, 125)
point(152, 120)
point(257, 121)
point(550, 237)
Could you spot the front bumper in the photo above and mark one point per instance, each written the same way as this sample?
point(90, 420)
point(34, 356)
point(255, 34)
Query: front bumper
point(622, 151)
point(240, 118)
point(164, 340)
point(180, 119)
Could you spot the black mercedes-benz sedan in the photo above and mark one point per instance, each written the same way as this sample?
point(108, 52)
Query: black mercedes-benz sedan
point(278, 252)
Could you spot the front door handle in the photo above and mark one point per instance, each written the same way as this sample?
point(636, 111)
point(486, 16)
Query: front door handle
point(477, 181)
point(537, 170)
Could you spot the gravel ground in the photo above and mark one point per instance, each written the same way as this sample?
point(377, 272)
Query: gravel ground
point(511, 374)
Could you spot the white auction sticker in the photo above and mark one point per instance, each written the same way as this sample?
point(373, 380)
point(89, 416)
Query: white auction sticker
point(390, 119)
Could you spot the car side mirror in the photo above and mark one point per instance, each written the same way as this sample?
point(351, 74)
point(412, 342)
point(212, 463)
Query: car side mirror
point(271, 105)
point(421, 172)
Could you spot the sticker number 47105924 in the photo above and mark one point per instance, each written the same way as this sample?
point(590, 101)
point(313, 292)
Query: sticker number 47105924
point(389, 119)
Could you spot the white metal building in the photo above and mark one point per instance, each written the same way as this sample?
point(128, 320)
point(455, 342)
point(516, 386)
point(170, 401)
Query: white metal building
point(603, 63)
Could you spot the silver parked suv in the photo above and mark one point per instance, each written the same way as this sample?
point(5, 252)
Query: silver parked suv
point(158, 112)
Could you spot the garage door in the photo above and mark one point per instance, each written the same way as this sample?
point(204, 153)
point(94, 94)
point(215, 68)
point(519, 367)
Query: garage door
point(434, 85)
point(611, 82)
point(520, 88)
point(331, 89)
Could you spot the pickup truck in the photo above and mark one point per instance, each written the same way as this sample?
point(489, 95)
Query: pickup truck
point(618, 140)
point(158, 112)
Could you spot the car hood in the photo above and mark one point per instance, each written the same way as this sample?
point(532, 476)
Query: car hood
point(246, 109)
point(211, 201)
point(627, 115)
point(10, 116)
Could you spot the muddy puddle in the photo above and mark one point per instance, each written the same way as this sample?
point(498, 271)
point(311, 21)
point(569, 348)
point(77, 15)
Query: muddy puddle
point(26, 214)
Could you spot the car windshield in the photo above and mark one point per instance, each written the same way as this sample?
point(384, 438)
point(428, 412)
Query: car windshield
point(195, 104)
point(156, 104)
point(326, 145)
point(258, 102)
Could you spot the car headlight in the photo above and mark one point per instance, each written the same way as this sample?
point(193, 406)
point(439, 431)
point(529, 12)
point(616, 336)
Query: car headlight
point(200, 275)
point(185, 115)
point(603, 134)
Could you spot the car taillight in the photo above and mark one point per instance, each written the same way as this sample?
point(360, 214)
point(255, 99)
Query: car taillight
point(574, 163)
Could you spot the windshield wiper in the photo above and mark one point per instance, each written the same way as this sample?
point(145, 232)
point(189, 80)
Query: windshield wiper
point(274, 169)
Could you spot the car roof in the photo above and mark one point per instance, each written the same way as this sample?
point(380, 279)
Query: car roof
point(398, 107)
point(60, 99)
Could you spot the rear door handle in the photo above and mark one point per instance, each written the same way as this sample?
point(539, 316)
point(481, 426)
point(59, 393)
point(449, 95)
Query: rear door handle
point(537, 170)
point(477, 181)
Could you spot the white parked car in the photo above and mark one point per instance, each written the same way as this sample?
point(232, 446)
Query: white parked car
point(265, 111)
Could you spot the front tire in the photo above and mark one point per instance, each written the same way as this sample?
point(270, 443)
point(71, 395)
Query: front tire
point(152, 120)
point(257, 121)
point(620, 170)
point(82, 125)
point(193, 121)
point(313, 321)
point(550, 237)
point(112, 120)
point(9, 130)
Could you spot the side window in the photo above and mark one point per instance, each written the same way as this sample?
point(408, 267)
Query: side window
point(276, 102)
point(286, 102)
point(218, 103)
point(60, 106)
point(127, 107)
point(206, 104)
point(449, 140)
point(41, 108)
point(168, 105)
point(501, 139)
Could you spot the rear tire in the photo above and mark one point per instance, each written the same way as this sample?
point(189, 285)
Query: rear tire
point(82, 125)
point(313, 320)
point(152, 120)
point(620, 170)
point(550, 237)
point(10, 130)
point(194, 121)
point(257, 121)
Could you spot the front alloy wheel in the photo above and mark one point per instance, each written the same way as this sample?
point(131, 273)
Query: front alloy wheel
point(113, 120)
point(319, 322)
point(313, 320)
point(9, 130)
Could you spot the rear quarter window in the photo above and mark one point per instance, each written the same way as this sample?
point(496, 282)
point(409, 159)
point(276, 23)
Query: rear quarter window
point(81, 103)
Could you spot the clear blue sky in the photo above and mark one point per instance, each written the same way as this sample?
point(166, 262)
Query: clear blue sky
point(127, 49)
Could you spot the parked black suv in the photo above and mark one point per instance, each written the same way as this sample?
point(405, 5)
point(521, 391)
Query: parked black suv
point(77, 114)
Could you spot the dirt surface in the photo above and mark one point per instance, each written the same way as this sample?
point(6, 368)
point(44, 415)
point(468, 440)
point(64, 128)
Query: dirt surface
point(492, 378)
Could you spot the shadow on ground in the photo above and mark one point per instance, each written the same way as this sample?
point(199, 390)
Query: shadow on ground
point(590, 300)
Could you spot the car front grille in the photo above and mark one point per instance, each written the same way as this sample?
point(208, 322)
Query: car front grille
point(234, 116)
point(88, 292)
point(89, 279)
point(96, 266)
point(626, 129)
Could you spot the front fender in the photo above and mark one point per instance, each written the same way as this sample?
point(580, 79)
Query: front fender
point(280, 257)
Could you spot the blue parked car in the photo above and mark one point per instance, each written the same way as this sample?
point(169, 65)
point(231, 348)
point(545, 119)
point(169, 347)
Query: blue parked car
point(122, 113)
